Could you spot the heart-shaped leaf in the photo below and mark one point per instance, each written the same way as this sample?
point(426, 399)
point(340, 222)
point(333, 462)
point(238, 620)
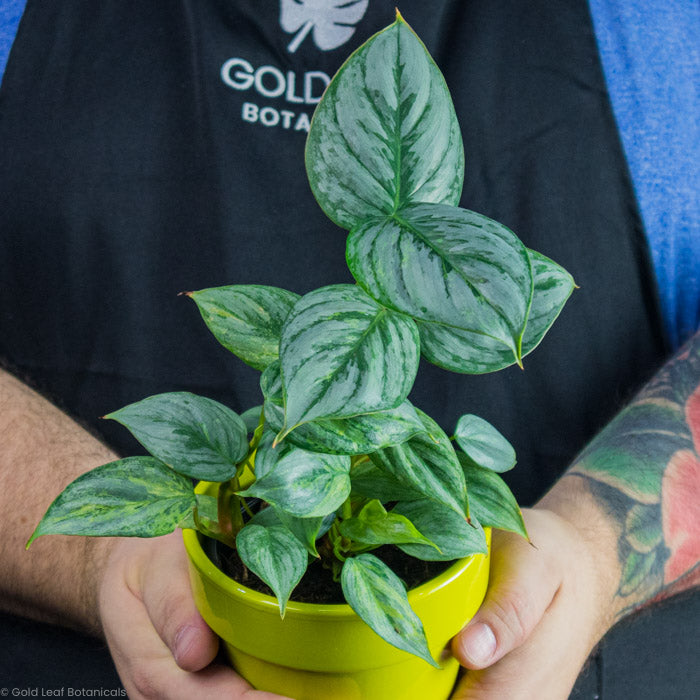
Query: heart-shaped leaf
point(450, 531)
point(275, 556)
point(448, 267)
point(356, 435)
point(196, 436)
point(464, 351)
point(428, 464)
point(374, 525)
point(304, 484)
point(132, 497)
point(377, 595)
point(246, 319)
point(483, 444)
point(343, 354)
point(490, 500)
point(385, 133)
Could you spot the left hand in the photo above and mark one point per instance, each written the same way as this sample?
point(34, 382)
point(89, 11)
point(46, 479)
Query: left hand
point(547, 606)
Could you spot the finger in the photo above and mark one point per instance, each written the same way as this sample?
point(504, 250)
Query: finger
point(524, 581)
point(144, 661)
point(165, 589)
point(545, 667)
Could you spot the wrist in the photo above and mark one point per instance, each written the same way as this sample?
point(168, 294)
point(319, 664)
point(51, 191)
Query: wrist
point(593, 537)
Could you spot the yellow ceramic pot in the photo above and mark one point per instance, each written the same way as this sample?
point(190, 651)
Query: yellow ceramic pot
point(326, 652)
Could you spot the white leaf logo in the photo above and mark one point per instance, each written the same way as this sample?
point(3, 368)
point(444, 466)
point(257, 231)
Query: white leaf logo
point(332, 21)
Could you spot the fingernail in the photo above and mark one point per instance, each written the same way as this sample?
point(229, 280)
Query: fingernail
point(184, 639)
point(478, 644)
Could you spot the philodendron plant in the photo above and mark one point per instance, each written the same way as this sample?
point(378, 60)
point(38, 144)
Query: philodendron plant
point(337, 461)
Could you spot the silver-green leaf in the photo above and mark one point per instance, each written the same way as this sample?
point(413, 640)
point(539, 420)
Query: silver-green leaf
point(491, 501)
point(355, 435)
point(428, 464)
point(385, 133)
point(377, 595)
point(464, 351)
point(275, 556)
point(483, 444)
point(343, 354)
point(450, 532)
point(196, 436)
point(448, 267)
point(131, 497)
point(246, 319)
point(304, 484)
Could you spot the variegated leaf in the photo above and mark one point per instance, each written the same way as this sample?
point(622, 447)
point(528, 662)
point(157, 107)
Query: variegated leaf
point(377, 595)
point(196, 436)
point(304, 484)
point(246, 319)
point(343, 354)
point(132, 497)
point(467, 352)
point(275, 556)
point(483, 444)
point(306, 530)
point(427, 463)
point(385, 133)
point(355, 435)
point(490, 500)
point(449, 267)
point(450, 531)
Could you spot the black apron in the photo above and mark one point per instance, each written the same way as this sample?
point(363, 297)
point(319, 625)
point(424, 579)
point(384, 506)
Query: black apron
point(148, 148)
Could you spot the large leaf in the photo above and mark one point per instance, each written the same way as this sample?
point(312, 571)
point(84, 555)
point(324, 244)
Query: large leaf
point(342, 354)
point(385, 133)
point(483, 444)
point(274, 555)
point(132, 497)
point(246, 319)
point(467, 352)
point(374, 525)
point(355, 435)
point(448, 530)
point(377, 595)
point(490, 500)
point(428, 464)
point(448, 267)
point(196, 436)
point(304, 484)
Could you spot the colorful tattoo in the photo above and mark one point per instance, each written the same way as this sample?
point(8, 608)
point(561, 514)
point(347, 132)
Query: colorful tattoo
point(645, 468)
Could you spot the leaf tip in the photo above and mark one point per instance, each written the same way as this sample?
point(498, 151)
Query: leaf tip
point(185, 294)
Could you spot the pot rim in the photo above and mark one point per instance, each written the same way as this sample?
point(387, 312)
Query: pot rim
point(267, 603)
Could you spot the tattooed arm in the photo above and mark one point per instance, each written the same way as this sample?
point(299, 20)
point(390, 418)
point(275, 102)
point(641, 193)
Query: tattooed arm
point(620, 530)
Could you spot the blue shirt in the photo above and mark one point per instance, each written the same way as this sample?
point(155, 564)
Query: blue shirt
point(650, 54)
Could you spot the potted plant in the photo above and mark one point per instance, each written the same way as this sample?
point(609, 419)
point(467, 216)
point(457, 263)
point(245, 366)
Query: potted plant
point(336, 472)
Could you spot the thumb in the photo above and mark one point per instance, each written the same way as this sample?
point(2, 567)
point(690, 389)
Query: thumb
point(167, 597)
point(523, 584)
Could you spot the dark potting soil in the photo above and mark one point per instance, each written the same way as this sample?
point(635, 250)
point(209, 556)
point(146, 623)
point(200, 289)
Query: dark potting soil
point(317, 585)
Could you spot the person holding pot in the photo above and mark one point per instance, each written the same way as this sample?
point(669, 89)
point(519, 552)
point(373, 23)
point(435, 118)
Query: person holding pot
point(149, 148)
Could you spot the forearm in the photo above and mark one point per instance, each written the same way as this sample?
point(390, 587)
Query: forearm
point(42, 451)
point(641, 480)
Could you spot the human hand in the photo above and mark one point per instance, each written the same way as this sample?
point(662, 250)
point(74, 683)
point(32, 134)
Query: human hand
point(161, 646)
point(547, 606)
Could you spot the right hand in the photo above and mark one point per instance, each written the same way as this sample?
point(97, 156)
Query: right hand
point(161, 646)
